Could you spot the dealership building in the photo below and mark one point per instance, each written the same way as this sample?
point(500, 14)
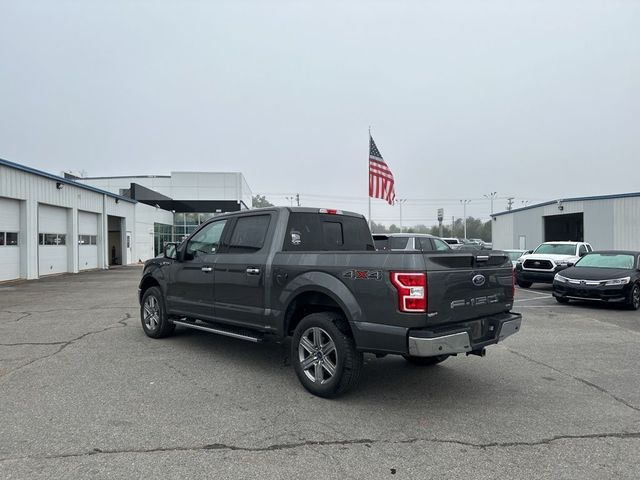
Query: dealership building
point(607, 222)
point(53, 224)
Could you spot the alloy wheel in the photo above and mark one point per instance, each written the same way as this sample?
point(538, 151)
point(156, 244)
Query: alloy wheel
point(636, 297)
point(151, 313)
point(317, 355)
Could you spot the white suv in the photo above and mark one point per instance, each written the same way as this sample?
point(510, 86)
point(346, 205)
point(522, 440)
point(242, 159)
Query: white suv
point(541, 265)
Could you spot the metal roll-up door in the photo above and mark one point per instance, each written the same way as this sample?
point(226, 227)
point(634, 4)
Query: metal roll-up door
point(9, 239)
point(87, 240)
point(53, 240)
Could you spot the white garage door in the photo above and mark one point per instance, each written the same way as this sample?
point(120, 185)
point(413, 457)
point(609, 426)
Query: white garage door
point(9, 236)
point(53, 240)
point(87, 240)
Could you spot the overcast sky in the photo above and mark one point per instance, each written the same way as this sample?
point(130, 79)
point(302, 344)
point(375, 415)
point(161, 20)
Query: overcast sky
point(533, 99)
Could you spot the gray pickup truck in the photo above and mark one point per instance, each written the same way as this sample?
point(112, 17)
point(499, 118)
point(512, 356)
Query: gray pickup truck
point(314, 275)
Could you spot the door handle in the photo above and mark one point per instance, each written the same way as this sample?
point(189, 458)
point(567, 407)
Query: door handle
point(206, 269)
point(253, 271)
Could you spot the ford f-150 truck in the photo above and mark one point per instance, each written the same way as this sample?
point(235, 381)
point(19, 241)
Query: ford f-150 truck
point(314, 275)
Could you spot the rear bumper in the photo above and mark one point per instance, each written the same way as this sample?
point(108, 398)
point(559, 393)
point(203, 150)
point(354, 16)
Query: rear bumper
point(455, 338)
point(423, 343)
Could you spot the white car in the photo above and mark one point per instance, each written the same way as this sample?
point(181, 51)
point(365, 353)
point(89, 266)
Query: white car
point(454, 242)
point(541, 265)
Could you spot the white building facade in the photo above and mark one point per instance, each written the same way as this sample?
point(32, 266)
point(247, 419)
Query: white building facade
point(607, 222)
point(51, 225)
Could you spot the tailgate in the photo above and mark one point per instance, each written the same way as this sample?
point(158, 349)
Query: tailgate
point(467, 285)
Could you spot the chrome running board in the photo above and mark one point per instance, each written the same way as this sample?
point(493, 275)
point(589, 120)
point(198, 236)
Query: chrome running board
point(226, 330)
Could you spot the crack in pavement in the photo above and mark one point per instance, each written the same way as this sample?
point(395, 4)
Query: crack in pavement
point(82, 309)
point(66, 343)
point(324, 443)
point(581, 380)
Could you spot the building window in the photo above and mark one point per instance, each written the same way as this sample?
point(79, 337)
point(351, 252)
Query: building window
point(87, 240)
point(8, 239)
point(161, 236)
point(57, 239)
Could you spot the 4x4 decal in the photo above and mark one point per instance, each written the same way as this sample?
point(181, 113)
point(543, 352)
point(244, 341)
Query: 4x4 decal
point(362, 274)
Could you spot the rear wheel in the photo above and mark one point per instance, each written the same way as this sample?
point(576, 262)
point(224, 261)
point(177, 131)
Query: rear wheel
point(153, 314)
point(324, 355)
point(634, 298)
point(523, 284)
point(562, 300)
point(425, 361)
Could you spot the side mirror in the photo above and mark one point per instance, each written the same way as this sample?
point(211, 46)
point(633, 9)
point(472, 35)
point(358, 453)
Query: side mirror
point(582, 254)
point(171, 251)
point(570, 264)
point(529, 252)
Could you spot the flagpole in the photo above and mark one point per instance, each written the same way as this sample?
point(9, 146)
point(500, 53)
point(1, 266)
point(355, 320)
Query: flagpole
point(369, 192)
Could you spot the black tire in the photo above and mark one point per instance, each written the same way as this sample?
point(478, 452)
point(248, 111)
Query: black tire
point(321, 356)
point(157, 326)
point(634, 298)
point(562, 300)
point(425, 361)
point(523, 284)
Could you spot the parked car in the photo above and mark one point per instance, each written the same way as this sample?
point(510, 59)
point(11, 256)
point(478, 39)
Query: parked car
point(313, 275)
point(409, 241)
point(454, 242)
point(606, 276)
point(482, 243)
point(514, 255)
point(541, 265)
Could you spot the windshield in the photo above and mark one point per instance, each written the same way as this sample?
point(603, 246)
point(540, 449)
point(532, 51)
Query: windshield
point(556, 249)
point(603, 260)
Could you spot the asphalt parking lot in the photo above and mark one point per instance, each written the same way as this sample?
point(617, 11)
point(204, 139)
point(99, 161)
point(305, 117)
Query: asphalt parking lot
point(84, 393)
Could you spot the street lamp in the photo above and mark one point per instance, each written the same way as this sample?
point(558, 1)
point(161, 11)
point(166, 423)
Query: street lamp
point(464, 205)
point(491, 196)
point(290, 200)
point(400, 201)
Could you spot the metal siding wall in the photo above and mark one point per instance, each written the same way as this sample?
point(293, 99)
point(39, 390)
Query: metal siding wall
point(528, 223)
point(10, 254)
point(598, 224)
point(567, 207)
point(22, 185)
point(626, 223)
point(502, 232)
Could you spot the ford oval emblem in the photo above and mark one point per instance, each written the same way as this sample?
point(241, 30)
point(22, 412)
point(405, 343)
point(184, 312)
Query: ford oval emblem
point(478, 280)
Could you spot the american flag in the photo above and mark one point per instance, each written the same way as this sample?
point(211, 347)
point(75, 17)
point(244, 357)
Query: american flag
point(381, 184)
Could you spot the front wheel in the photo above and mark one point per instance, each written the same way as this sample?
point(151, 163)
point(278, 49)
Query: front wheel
point(634, 298)
point(324, 355)
point(153, 314)
point(425, 361)
point(562, 300)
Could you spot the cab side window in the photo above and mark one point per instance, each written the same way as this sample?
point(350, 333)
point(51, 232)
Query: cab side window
point(206, 241)
point(249, 234)
point(583, 250)
point(424, 244)
point(440, 245)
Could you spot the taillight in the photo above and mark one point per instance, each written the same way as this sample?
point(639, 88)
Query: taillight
point(513, 283)
point(412, 291)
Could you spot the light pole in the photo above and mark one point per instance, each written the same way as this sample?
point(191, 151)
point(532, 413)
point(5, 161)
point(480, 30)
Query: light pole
point(400, 201)
point(290, 200)
point(491, 197)
point(464, 206)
